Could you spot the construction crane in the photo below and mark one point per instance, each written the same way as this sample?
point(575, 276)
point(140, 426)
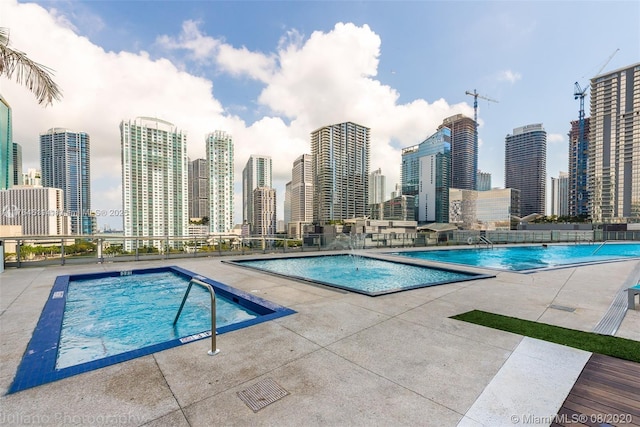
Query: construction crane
point(581, 147)
point(579, 93)
point(476, 95)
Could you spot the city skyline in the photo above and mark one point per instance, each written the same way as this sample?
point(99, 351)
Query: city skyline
point(270, 85)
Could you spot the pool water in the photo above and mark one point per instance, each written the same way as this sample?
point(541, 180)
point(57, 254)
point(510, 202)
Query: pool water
point(524, 258)
point(112, 315)
point(360, 274)
point(99, 319)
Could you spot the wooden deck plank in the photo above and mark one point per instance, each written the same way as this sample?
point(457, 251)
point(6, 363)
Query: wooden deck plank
point(607, 391)
point(569, 418)
point(603, 392)
point(606, 406)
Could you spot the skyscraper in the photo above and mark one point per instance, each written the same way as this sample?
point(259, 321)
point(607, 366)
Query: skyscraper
point(6, 147)
point(221, 176)
point(154, 180)
point(525, 166)
point(17, 164)
point(64, 164)
point(264, 211)
point(397, 191)
point(340, 154)
point(560, 195)
point(198, 189)
point(300, 196)
point(464, 151)
point(578, 160)
point(614, 146)
point(426, 175)
point(287, 203)
point(377, 187)
point(256, 173)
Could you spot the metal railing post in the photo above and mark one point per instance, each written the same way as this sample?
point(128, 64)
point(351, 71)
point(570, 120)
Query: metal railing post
point(18, 250)
point(212, 293)
point(99, 249)
point(61, 251)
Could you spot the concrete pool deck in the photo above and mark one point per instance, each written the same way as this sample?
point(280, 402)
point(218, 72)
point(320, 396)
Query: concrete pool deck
point(343, 358)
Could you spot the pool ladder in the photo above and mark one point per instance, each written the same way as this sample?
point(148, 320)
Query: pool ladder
point(212, 293)
point(599, 247)
point(482, 240)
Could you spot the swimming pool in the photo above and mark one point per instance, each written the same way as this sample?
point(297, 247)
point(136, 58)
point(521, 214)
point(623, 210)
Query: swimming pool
point(95, 320)
point(530, 258)
point(357, 273)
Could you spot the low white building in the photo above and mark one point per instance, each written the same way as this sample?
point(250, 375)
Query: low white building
point(483, 210)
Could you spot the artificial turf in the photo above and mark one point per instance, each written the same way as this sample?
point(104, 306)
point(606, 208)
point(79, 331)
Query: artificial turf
point(621, 348)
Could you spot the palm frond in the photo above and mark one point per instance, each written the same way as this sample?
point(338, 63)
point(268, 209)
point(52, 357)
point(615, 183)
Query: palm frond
point(36, 77)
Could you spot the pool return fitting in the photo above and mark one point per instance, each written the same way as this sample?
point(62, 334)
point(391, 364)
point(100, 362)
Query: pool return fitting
point(207, 286)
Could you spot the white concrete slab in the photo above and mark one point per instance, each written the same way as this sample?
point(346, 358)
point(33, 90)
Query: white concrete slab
point(530, 387)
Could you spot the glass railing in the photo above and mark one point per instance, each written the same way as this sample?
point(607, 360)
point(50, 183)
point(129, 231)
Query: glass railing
point(27, 251)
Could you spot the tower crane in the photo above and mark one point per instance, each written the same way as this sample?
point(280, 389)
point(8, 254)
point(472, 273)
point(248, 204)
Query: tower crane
point(476, 95)
point(581, 146)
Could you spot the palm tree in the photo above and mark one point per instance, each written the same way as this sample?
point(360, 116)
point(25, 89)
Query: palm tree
point(34, 76)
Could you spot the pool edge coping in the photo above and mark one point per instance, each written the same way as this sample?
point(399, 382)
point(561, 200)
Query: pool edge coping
point(38, 363)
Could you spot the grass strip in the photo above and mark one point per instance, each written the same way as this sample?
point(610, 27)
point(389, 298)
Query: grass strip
point(621, 348)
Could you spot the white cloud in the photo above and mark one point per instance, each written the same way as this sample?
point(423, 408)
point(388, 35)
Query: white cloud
point(241, 61)
point(509, 76)
point(554, 138)
point(303, 90)
point(202, 48)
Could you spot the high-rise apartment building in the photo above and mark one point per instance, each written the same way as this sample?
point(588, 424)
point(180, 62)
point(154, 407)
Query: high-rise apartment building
point(525, 166)
point(6, 145)
point(560, 195)
point(426, 175)
point(64, 164)
point(287, 203)
point(39, 210)
point(614, 146)
point(221, 176)
point(154, 180)
point(340, 154)
point(264, 211)
point(299, 194)
point(377, 187)
point(464, 151)
point(578, 161)
point(483, 181)
point(256, 173)
point(198, 189)
point(17, 164)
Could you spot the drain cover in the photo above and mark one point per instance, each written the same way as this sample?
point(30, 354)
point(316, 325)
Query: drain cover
point(262, 394)
point(563, 308)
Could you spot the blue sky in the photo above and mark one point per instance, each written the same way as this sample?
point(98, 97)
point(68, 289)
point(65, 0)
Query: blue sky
point(270, 72)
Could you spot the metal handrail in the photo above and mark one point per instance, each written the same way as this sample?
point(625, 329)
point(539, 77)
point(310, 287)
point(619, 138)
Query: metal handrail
point(488, 243)
point(599, 247)
point(212, 293)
